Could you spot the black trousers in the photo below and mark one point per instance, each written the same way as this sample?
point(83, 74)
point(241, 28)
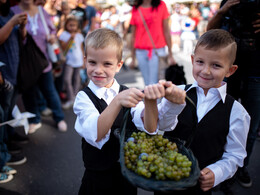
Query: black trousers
point(106, 182)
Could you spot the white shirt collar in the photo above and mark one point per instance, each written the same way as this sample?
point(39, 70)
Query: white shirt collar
point(100, 91)
point(221, 91)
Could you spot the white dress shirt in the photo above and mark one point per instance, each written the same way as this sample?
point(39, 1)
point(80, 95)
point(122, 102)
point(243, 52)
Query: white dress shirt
point(87, 114)
point(235, 148)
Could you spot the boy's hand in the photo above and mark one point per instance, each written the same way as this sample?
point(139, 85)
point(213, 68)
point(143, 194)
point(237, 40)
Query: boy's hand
point(130, 97)
point(173, 93)
point(154, 92)
point(206, 179)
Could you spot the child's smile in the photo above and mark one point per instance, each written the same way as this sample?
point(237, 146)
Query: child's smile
point(102, 65)
point(210, 67)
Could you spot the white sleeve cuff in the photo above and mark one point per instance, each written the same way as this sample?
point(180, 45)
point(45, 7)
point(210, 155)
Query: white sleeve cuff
point(217, 172)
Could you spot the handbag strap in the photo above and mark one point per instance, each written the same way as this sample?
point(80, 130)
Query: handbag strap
point(43, 21)
point(147, 30)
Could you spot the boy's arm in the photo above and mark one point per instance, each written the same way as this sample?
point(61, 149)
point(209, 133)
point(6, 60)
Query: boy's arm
point(152, 93)
point(127, 98)
point(235, 148)
point(86, 121)
point(171, 105)
point(150, 115)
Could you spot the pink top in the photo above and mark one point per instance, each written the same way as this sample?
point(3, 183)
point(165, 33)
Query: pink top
point(154, 19)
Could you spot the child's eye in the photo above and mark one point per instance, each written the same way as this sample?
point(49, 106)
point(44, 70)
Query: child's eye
point(216, 66)
point(91, 62)
point(199, 62)
point(108, 64)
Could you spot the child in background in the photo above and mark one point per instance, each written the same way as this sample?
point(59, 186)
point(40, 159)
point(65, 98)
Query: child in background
point(219, 124)
point(188, 36)
point(100, 108)
point(71, 42)
point(65, 11)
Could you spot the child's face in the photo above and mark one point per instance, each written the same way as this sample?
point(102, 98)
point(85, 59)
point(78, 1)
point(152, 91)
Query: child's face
point(65, 10)
point(102, 65)
point(72, 26)
point(210, 67)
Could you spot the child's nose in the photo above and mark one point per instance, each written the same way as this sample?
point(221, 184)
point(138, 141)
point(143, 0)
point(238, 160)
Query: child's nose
point(98, 68)
point(206, 69)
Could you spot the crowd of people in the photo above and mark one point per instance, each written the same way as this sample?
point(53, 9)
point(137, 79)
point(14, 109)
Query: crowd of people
point(148, 29)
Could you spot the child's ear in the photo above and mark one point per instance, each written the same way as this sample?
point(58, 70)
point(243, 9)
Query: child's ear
point(119, 66)
point(231, 70)
point(85, 60)
point(192, 58)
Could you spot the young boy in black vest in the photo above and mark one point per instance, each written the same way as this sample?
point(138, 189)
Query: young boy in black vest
point(100, 108)
point(217, 127)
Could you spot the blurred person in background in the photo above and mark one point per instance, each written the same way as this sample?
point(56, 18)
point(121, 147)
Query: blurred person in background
point(12, 28)
point(205, 12)
point(188, 35)
point(175, 26)
point(91, 16)
point(51, 9)
point(72, 42)
point(35, 28)
point(156, 15)
point(77, 9)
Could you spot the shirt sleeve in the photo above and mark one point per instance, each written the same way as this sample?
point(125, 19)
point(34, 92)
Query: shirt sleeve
point(86, 121)
point(168, 114)
point(235, 148)
point(81, 38)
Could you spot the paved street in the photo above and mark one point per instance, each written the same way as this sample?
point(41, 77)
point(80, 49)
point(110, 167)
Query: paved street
point(54, 165)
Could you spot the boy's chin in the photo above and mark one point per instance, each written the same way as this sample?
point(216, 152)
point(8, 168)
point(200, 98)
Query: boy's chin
point(107, 85)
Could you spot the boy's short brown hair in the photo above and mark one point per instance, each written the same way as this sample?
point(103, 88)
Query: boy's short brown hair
point(103, 37)
point(216, 39)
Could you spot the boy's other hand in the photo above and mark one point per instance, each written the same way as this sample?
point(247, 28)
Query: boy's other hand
point(173, 93)
point(206, 179)
point(154, 91)
point(130, 97)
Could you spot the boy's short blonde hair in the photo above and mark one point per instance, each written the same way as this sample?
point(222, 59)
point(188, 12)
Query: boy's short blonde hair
point(217, 39)
point(103, 37)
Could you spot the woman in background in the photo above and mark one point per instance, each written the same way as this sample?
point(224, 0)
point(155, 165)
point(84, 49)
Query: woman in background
point(45, 83)
point(156, 16)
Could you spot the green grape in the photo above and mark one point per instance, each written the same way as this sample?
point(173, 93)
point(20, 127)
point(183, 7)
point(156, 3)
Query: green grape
point(155, 156)
point(152, 168)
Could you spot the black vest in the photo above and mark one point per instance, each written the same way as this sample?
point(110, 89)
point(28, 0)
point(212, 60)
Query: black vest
point(209, 135)
point(105, 158)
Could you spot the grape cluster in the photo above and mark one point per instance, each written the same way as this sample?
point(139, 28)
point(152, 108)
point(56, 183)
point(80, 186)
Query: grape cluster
point(155, 156)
